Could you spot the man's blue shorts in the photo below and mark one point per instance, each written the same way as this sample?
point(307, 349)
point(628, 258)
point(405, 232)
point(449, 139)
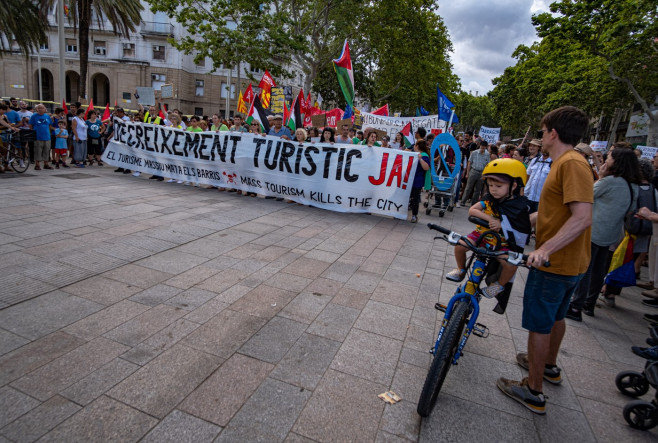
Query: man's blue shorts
point(546, 299)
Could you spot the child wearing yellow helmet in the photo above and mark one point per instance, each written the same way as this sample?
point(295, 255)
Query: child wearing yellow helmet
point(507, 212)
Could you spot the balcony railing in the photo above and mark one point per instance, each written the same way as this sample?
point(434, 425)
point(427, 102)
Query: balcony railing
point(153, 28)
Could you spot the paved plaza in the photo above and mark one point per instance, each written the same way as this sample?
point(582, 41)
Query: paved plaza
point(135, 310)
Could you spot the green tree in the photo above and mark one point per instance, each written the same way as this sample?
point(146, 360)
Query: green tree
point(22, 22)
point(475, 111)
point(622, 34)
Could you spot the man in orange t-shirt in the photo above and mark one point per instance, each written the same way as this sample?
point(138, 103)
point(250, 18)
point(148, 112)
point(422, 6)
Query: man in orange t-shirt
point(563, 234)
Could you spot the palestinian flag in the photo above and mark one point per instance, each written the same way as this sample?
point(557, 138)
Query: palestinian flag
point(295, 120)
point(408, 136)
point(343, 68)
point(257, 113)
point(266, 84)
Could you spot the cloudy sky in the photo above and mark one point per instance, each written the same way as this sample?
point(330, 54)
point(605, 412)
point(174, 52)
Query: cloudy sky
point(484, 34)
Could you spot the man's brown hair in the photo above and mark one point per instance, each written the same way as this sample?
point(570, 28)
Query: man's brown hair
point(569, 122)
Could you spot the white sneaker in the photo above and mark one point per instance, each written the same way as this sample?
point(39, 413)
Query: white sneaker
point(171, 180)
point(179, 181)
point(136, 174)
point(186, 184)
point(21, 163)
point(457, 205)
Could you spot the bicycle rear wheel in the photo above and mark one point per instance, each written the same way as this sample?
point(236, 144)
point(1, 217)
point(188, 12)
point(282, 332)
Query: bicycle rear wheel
point(443, 359)
point(16, 160)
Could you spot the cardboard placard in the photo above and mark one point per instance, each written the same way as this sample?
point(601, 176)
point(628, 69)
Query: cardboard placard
point(346, 121)
point(167, 91)
point(380, 134)
point(146, 95)
point(319, 121)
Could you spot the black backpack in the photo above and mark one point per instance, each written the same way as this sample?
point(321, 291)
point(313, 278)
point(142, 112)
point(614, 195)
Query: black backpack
point(638, 226)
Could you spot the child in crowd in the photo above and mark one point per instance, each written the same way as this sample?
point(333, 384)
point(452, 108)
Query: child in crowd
point(61, 148)
point(507, 213)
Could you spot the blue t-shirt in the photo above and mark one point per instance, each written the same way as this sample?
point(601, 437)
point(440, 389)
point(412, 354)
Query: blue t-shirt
point(93, 128)
point(60, 143)
point(283, 131)
point(41, 124)
point(419, 178)
point(13, 117)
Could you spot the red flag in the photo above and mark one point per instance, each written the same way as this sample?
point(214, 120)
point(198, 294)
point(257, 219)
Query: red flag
point(89, 108)
point(266, 84)
point(286, 113)
point(302, 101)
point(382, 111)
point(162, 115)
point(334, 116)
point(66, 111)
point(107, 114)
point(308, 103)
point(165, 108)
point(248, 95)
point(115, 103)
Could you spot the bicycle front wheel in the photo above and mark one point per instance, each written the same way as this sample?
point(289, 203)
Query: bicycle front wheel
point(16, 160)
point(443, 358)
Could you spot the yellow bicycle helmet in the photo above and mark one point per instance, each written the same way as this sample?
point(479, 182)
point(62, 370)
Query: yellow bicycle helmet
point(507, 166)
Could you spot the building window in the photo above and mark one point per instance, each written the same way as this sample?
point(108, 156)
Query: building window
point(158, 52)
point(44, 47)
point(71, 45)
point(225, 89)
point(198, 111)
point(254, 70)
point(199, 88)
point(128, 49)
point(99, 48)
point(157, 80)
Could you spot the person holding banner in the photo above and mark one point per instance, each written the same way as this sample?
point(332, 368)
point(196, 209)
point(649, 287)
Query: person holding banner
point(328, 135)
point(422, 179)
point(370, 138)
point(278, 130)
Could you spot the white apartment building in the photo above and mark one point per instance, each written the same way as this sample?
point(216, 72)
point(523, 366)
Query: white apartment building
point(117, 65)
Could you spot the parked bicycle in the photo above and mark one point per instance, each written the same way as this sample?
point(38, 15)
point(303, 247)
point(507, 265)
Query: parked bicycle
point(14, 152)
point(461, 313)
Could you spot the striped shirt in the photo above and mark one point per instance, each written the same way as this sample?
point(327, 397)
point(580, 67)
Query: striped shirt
point(478, 160)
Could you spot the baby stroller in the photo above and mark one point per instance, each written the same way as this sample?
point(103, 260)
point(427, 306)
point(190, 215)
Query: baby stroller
point(443, 191)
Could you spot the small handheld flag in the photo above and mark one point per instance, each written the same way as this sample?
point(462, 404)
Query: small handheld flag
point(343, 68)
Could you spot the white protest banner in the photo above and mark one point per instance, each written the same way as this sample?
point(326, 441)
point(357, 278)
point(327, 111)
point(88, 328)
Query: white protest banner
point(393, 125)
point(491, 135)
point(336, 177)
point(638, 126)
point(648, 151)
point(599, 145)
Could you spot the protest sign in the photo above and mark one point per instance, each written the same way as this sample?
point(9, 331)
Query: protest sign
point(393, 125)
point(347, 121)
point(277, 99)
point(600, 145)
point(167, 91)
point(638, 126)
point(146, 96)
point(319, 120)
point(491, 135)
point(343, 178)
point(647, 151)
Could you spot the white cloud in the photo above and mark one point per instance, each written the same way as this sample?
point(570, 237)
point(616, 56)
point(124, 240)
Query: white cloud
point(484, 35)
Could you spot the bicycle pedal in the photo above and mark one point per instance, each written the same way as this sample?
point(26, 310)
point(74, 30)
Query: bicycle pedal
point(480, 330)
point(440, 307)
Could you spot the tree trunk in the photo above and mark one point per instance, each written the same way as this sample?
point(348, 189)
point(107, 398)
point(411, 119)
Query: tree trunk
point(313, 72)
point(84, 15)
point(613, 127)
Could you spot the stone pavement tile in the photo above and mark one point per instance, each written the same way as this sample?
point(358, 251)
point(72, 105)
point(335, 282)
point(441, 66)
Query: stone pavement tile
point(40, 420)
point(33, 355)
point(363, 281)
point(220, 396)
point(401, 419)
point(98, 382)
point(264, 301)
point(102, 290)
point(289, 282)
point(172, 262)
point(137, 276)
point(385, 437)
point(46, 314)
point(92, 261)
point(318, 254)
point(233, 294)
point(294, 438)
point(368, 356)
point(493, 346)
point(617, 346)
point(582, 342)
point(340, 271)
point(125, 252)
point(408, 381)
point(179, 427)
point(191, 299)
point(268, 415)
point(384, 319)
point(422, 315)
point(334, 322)
point(225, 333)
point(140, 240)
point(342, 408)
point(62, 372)
point(608, 424)
point(106, 319)
point(205, 247)
point(306, 362)
point(163, 383)
point(207, 310)
point(160, 342)
point(271, 253)
point(594, 379)
point(274, 340)
point(156, 295)
point(143, 326)
point(305, 307)
point(191, 277)
point(103, 420)
point(250, 265)
point(395, 293)
point(306, 267)
point(403, 277)
point(414, 357)
point(419, 338)
point(324, 286)
point(373, 267)
point(126, 229)
point(413, 265)
point(223, 280)
point(245, 251)
point(446, 423)
point(13, 404)
point(561, 424)
point(351, 298)
point(9, 341)
point(54, 248)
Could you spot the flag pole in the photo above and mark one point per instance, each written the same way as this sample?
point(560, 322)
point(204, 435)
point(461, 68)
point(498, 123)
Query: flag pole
point(452, 114)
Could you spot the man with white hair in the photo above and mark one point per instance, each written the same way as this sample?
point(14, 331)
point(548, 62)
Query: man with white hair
point(40, 123)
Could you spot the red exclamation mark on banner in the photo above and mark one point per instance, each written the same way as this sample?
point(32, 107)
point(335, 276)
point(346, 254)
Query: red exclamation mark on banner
point(406, 175)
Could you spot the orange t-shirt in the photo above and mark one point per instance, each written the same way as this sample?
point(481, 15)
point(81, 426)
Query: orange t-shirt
point(569, 181)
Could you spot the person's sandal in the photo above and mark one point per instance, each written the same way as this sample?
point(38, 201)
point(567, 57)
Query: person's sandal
point(456, 275)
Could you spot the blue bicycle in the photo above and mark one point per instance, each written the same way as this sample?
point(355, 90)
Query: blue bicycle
point(461, 313)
